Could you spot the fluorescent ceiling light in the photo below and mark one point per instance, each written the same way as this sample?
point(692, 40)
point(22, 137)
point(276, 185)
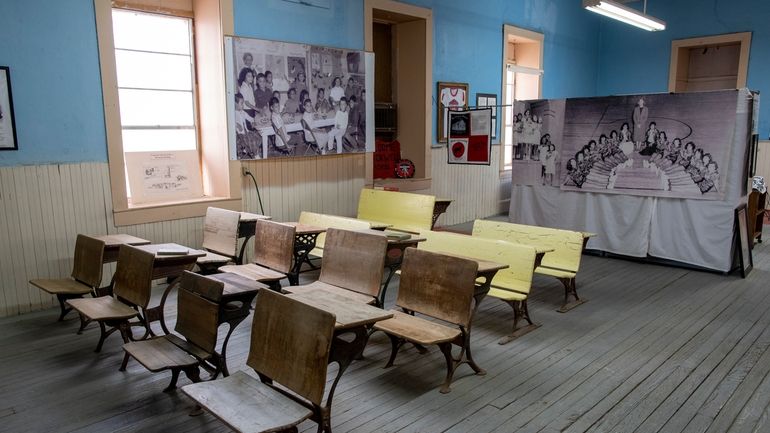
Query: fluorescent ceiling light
point(625, 14)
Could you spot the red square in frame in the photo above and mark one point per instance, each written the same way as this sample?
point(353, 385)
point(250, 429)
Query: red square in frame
point(478, 148)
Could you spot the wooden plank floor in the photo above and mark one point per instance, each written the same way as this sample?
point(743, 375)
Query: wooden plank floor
point(655, 349)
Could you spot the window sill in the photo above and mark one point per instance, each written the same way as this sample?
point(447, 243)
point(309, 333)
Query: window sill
point(167, 211)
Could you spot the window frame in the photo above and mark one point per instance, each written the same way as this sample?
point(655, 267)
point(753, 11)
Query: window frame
point(509, 32)
point(219, 175)
point(743, 38)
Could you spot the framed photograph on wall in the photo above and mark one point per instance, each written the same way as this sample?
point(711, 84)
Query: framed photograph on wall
point(451, 96)
point(7, 118)
point(484, 100)
point(744, 246)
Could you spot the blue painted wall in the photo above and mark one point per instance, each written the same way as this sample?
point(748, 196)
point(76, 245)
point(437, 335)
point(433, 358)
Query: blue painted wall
point(467, 37)
point(51, 49)
point(636, 61)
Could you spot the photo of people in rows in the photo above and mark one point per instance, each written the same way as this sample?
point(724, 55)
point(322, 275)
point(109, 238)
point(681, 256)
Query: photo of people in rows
point(642, 150)
point(532, 144)
point(301, 119)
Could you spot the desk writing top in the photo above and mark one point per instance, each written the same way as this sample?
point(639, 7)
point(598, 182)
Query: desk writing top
point(485, 266)
point(348, 313)
point(236, 284)
point(154, 248)
point(118, 239)
point(412, 239)
point(304, 229)
point(247, 217)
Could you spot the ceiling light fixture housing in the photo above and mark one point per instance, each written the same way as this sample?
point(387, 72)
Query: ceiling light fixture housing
point(620, 12)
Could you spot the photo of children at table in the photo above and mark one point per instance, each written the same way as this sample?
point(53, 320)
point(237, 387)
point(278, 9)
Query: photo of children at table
point(296, 105)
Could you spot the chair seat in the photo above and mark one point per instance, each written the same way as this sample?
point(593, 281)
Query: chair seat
point(159, 354)
point(103, 308)
point(318, 285)
point(245, 404)
point(62, 286)
point(558, 273)
point(213, 258)
point(254, 272)
point(507, 294)
point(417, 329)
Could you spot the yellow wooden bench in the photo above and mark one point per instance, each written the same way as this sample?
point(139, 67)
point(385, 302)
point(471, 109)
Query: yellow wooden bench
point(511, 285)
point(403, 211)
point(329, 222)
point(562, 263)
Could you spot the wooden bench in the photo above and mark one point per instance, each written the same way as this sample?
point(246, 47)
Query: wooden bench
point(403, 211)
point(131, 291)
point(328, 222)
point(353, 266)
point(562, 263)
point(511, 285)
point(437, 286)
point(290, 345)
point(220, 239)
point(197, 322)
point(86, 274)
point(273, 252)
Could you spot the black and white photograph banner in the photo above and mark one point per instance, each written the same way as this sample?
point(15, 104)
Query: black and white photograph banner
point(288, 99)
point(662, 145)
point(537, 135)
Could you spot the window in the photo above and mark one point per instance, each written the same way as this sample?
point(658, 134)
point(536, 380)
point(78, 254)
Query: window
point(522, 60)
point(163, 87)
point(154, 60)
point(155, 70)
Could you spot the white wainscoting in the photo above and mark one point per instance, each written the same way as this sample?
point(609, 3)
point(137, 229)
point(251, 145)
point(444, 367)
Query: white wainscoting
point(43, 208)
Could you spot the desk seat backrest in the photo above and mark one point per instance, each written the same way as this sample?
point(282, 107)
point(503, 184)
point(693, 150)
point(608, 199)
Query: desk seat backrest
point(274, 245)
point(220, 231)
point(88, 263)
point(354, 260)
point(437, 285)
point(567, 245)
point(412, 212)
point(519, 258)
point(198, 309)
point(330, 221)
point(290, 344)
point(132, 282)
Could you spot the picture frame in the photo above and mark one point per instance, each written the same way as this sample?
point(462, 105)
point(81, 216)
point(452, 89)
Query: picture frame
point(489, 100)
point(8, 140)
point(745, 261)
point(449, 96)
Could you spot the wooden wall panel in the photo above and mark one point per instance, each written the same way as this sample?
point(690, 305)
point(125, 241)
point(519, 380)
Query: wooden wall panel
point(476, 191)
point(43, 208)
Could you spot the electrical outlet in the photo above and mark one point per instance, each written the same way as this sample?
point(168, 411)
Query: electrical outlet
point(245, 171)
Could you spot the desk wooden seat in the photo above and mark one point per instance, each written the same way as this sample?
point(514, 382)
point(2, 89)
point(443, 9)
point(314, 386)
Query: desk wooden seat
point(403, 211)
point(353, 265)
point(113, 242)
point(86, 276)
point(220, 239)
point(273, 252)
point(130, 288)
point(197, 321)
point(563, 262)
point(290, 346)
point(437, 286)
point(511, 285)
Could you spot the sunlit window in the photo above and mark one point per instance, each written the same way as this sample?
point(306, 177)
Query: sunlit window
point(154, 59)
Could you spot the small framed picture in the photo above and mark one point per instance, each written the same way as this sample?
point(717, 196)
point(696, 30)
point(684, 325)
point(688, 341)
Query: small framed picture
point(7, 119)
point(744, 246)
point(451, 96)
point(484, 100)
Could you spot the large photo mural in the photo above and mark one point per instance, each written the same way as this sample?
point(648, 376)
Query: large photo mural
point(287, 99)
